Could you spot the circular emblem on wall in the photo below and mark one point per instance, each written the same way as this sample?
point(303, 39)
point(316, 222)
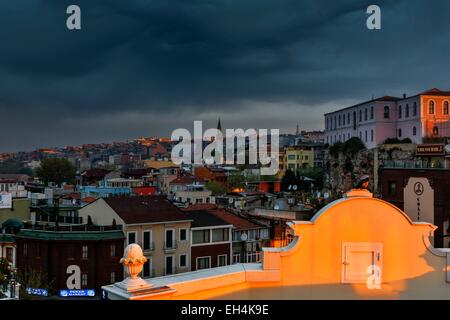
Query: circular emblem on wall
point(418, 188)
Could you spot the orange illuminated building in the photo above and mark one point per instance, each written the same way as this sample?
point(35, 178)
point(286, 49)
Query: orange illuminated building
point(357, 247)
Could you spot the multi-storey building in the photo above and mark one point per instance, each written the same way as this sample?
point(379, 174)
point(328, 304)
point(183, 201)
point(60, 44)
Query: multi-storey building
point(423, 115)
point(298, 157)
point(57, 253)
point(158, 226)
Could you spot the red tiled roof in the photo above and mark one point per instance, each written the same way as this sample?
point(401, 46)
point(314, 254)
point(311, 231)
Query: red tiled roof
point(435, 92)
point(239, 223)
point(146, 209)
point(88, 199)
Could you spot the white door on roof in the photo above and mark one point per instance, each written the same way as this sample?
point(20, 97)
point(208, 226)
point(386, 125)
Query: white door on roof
point(361, 260)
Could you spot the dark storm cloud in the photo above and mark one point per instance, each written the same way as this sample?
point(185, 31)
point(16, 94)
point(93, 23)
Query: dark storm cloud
point(142, 67)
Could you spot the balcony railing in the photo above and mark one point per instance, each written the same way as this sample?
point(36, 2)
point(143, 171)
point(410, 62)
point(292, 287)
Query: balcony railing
point(414, 164)
point(253, 257)
point(72, 228)
point(61, 219)
point(150, 247)
point(171, 245)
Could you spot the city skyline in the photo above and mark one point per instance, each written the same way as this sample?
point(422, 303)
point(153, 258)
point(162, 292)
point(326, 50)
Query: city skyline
point(148, 68)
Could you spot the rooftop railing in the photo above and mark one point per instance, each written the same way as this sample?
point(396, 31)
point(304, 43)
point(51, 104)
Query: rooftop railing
point(415, 164)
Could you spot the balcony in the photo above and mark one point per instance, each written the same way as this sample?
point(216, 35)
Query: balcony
point(61, 219)
point(414, 164)
point(149, 248)
point(170, 245)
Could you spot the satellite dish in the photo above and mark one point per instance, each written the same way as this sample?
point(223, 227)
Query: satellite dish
point(294, 187)
point(244, 237)
point(230, 201)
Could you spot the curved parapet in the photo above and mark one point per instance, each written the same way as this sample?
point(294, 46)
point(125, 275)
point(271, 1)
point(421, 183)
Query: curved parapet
point(357, 247)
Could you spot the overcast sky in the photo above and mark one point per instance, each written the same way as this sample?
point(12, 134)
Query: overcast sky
point(147, 67)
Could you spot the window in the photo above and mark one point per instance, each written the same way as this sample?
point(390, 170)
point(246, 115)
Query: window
point(200, 236)
point(84, 280)
point(219, 235)
point(131, 237)
point(407, 111)
point(386, 112)
point(360, 135)
point(146, 270)
point(183, 235)
point(400, 112)
point(252, 234)
point(435, 131)
point(348, 118)
point(170, 239)
point(339, 120)
point(112, 277)
point(365, 114)
point(222, 260)
point(25, 249)
point(399, 132)
point(431, 107)
point(360, 115)
point(371, 113)
point(183, 261)
point(359, 260)
point(203, 263)
point(371, 135)
point(84, 252)
point(264, 233)
point(170, 265)
point(414, 131)
point(9, 255)
point(365, 136)
point(147, 240)
point(392, 188)
point(291, 157)
point(445, 108)
point(415, 109)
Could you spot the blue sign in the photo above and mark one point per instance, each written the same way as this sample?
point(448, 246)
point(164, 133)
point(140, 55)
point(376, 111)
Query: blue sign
point(37, 292)
point(77, 293)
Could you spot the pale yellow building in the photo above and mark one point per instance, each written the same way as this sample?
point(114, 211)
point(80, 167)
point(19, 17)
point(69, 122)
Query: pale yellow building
point(159, 227)
point(298, 157)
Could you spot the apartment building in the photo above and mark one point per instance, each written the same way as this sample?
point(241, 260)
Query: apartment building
point(158, 226)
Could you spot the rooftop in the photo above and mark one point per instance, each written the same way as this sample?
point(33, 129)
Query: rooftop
point(70, 235)
point(145, 209)
point(238, 222)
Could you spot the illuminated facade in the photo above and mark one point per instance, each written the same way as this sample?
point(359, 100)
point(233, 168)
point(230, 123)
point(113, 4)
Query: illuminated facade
point(424, 115)
point(358, 247)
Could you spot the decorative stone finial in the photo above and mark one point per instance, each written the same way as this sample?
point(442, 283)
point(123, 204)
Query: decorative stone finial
point(133, 261)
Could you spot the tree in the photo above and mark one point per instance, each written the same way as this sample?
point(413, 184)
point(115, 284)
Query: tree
point(352, 146)
point(56, 170)
point(216, 187)
point(5, 272)
point(236, 180)
point(32, 279)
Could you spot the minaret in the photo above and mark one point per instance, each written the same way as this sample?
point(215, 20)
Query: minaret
point(219, 125)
